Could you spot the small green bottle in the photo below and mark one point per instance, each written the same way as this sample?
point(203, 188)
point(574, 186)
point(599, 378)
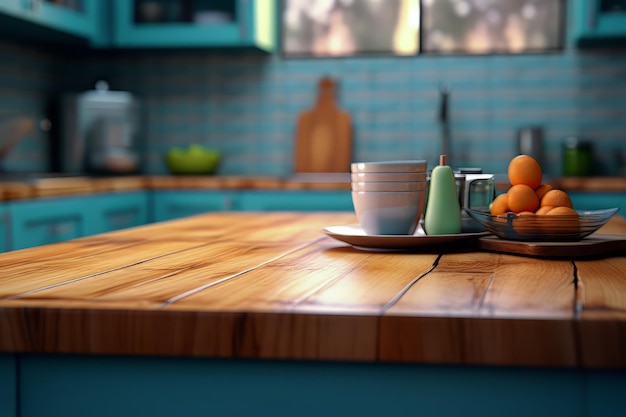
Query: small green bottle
point(443, 213)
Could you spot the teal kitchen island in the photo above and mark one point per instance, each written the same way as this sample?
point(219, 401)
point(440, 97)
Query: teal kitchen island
point(246, 313)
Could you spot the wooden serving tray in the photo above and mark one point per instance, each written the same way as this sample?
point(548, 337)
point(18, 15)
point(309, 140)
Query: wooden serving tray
point(595, 245)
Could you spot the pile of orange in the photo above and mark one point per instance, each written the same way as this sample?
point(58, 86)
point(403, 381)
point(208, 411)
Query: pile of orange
point(528, 195)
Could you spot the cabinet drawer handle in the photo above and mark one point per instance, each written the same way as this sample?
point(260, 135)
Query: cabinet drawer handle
point(119, 219)
point(60, 229)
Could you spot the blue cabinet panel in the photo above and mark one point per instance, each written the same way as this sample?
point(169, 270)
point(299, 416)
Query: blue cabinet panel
point(8, 385)
point(251, 24)
point(174, 204)
point(593, 23)
point(72, 386)
point(605, 391)
point(12, 7)
point(44, 221)
point(294, 200)
point(5, 229)
point(598, 200)
point(114, 211)
point(81, 22)
point(83, 19)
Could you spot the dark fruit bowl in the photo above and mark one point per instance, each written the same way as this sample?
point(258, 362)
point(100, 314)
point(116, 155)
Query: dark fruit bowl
point(543, 228)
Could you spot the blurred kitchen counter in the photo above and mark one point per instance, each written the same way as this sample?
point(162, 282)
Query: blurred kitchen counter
point(54, 187)
point(597, 184)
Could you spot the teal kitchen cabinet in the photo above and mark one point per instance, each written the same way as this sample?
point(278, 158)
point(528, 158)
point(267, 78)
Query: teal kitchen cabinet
point(287, 200)
point(173, 204)
point(599, 22)
point(114, 211)
point(201, 23)
point(582, 200)
point(5, 227)
point(8, 385)
point(12, 7)
point(83, 19)
point(47, 220)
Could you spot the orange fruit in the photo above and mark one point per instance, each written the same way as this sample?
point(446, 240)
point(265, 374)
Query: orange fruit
point(524, 169)
point(543, 210)
point(565, 221)
point(542, 190)
point(526, 224)
point(556, 198)
point(500, 204)
point(522, 198)
point(562, 211)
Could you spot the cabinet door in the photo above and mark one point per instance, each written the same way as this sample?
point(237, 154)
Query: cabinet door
point(598, 19)
point(598, 200)
point(294, 200)
point(114, 211)
point(79, 18)
point(40, 222)
point(5, 218)
point(12, 7)
point(169, 205)
point(8, 385)
point(206, 23)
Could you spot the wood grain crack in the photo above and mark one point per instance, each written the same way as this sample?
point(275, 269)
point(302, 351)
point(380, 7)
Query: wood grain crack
point(404, 290)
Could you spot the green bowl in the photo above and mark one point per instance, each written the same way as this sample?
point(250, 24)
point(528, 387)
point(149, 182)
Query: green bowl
point(192, 161)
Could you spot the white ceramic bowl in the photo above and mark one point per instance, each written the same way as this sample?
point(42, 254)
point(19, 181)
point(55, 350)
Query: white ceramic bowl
point(389, 213)
point(417, 165)
point(390, 186)
point(387, 176)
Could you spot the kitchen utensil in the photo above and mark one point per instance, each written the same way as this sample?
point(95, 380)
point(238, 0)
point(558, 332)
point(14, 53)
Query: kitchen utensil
point(530, 142)
point(324, 134)
point(544, 228)
point(444, 119)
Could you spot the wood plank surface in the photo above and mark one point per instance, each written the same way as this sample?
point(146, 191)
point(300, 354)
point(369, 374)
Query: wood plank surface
point(273, 285)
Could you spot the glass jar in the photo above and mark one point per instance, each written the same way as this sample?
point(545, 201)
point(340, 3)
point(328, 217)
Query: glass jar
point(577, 157)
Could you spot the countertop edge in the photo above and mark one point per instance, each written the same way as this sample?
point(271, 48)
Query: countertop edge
point(56, 187)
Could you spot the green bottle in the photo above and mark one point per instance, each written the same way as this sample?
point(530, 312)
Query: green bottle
point(443, 213)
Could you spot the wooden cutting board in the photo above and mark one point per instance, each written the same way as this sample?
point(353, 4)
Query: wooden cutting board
point(324, 134)
point(596, 245)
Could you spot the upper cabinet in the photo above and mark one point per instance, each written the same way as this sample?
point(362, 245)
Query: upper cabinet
point(194, 23)
point(599, 23)
point(145, 23)
point(80, 19)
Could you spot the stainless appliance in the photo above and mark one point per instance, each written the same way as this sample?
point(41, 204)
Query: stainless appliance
point(99, 132)
point(530, 142)
point(476, 191)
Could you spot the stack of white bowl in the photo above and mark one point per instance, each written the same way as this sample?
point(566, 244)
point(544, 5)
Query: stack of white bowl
point(389, 196)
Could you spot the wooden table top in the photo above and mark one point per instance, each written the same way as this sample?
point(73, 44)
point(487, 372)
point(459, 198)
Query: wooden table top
point(273, 285)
